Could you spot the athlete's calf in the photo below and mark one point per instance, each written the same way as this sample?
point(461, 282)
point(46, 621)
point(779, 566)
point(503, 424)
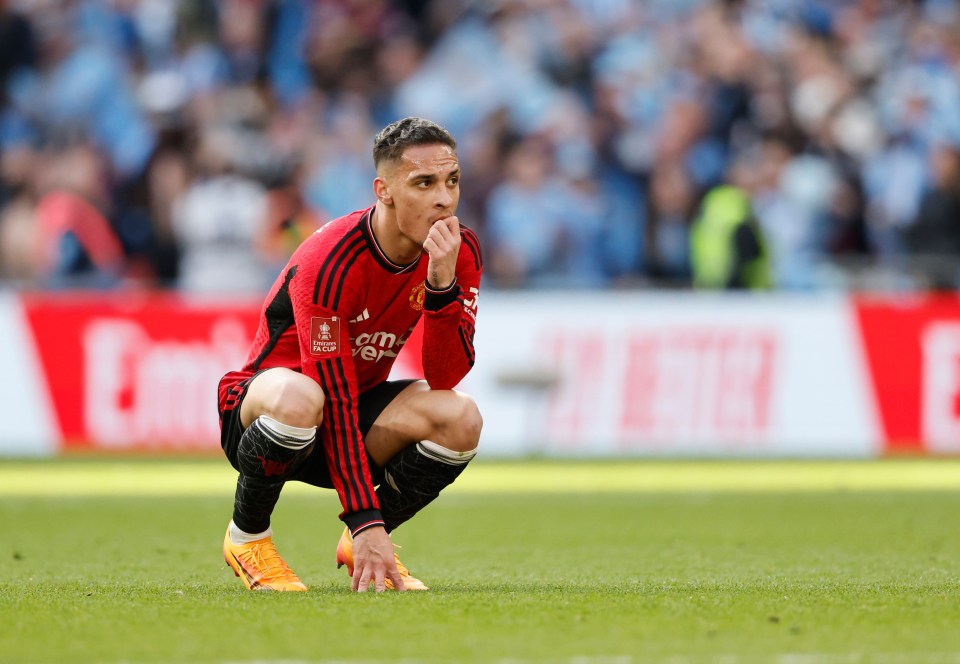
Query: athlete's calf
point(416, 475)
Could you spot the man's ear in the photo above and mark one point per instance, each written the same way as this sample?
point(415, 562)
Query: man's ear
point(382, 191)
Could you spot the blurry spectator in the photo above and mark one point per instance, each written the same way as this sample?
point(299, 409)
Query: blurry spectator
point(18, 47)
point(845, 136)
point(726, 244)
point(791, 194)
point(288, 222)
point(672, 203)
point(601, 207)
point(75, 244)
point(340, 170)
point(18, 163)
point(217, 221)
point(524, 220)
point(241, 38)
point(168, 178)
point(934, 236)
point(894, 180)
point(144, 217)
point(584, 215)
point(622, 242)
point(481, 158)
point(846, 219)
point(17, 240)
point(18, 57)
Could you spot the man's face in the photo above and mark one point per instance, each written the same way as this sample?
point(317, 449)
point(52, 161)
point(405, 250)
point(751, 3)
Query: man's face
point(424, 187)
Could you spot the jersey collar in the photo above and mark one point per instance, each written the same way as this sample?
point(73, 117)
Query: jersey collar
point(366, 222)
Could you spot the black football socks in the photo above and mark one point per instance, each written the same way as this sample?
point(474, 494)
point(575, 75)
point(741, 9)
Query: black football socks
point(269, 453)
point(415, 476)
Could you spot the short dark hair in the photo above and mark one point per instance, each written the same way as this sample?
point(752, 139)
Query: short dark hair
point(398, 136)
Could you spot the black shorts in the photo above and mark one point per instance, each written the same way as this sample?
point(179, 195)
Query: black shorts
point(315, 471)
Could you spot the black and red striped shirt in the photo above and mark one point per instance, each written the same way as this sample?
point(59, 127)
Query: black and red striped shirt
point(339, 312)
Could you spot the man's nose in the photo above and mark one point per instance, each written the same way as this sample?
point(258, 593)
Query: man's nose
point(444, 198)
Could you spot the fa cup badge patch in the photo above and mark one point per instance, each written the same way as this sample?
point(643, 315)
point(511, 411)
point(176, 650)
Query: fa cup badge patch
point(324, 335)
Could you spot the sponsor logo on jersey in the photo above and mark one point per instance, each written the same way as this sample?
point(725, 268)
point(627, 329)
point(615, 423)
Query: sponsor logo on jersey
point(416, 296)
point(374, 346)
point(324, 335)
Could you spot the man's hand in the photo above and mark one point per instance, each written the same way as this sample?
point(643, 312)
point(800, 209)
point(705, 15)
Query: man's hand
point(442, 246)
point(373, 561)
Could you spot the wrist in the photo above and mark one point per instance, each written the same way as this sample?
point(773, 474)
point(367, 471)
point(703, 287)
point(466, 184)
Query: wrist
point(363, 520)
point(437, 298)
point(430, 286)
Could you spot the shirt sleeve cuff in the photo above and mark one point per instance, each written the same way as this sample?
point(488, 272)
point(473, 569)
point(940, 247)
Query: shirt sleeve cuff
point(435, 300)
point(357, 522)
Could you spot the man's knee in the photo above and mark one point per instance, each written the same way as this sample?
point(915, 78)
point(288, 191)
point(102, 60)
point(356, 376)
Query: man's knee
point(461, 423)
point(297, 401)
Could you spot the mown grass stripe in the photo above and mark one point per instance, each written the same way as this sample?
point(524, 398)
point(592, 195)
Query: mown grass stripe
point(92, 477)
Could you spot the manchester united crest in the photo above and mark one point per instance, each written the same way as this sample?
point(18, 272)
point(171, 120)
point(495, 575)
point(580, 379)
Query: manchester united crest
point(416, 296)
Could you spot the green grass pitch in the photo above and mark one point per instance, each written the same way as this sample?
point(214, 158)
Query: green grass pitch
point(564, 561)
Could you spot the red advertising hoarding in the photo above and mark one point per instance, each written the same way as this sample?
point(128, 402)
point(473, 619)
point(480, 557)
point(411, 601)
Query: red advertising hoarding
point(137, 371)
point(912, 346)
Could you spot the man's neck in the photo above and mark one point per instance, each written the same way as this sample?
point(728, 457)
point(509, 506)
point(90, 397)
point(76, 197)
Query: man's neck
point(395, 246)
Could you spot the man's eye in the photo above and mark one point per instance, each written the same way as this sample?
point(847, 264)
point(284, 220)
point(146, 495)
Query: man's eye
point(454, 181)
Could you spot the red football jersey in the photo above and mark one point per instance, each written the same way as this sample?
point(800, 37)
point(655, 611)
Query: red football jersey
point(339, 312)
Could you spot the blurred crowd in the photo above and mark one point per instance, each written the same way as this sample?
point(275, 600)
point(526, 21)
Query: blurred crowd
point(191, 144)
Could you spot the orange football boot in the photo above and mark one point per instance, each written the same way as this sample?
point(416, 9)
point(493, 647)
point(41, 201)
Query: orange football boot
point(259, 565)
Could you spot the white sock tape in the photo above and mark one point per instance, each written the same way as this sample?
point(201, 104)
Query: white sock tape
point(287, 435)
point(445, 454)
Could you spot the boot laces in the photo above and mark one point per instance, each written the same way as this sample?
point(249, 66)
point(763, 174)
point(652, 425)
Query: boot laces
point(264, 556)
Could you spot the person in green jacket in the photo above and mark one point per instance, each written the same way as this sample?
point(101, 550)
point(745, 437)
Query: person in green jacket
point(726, 243)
